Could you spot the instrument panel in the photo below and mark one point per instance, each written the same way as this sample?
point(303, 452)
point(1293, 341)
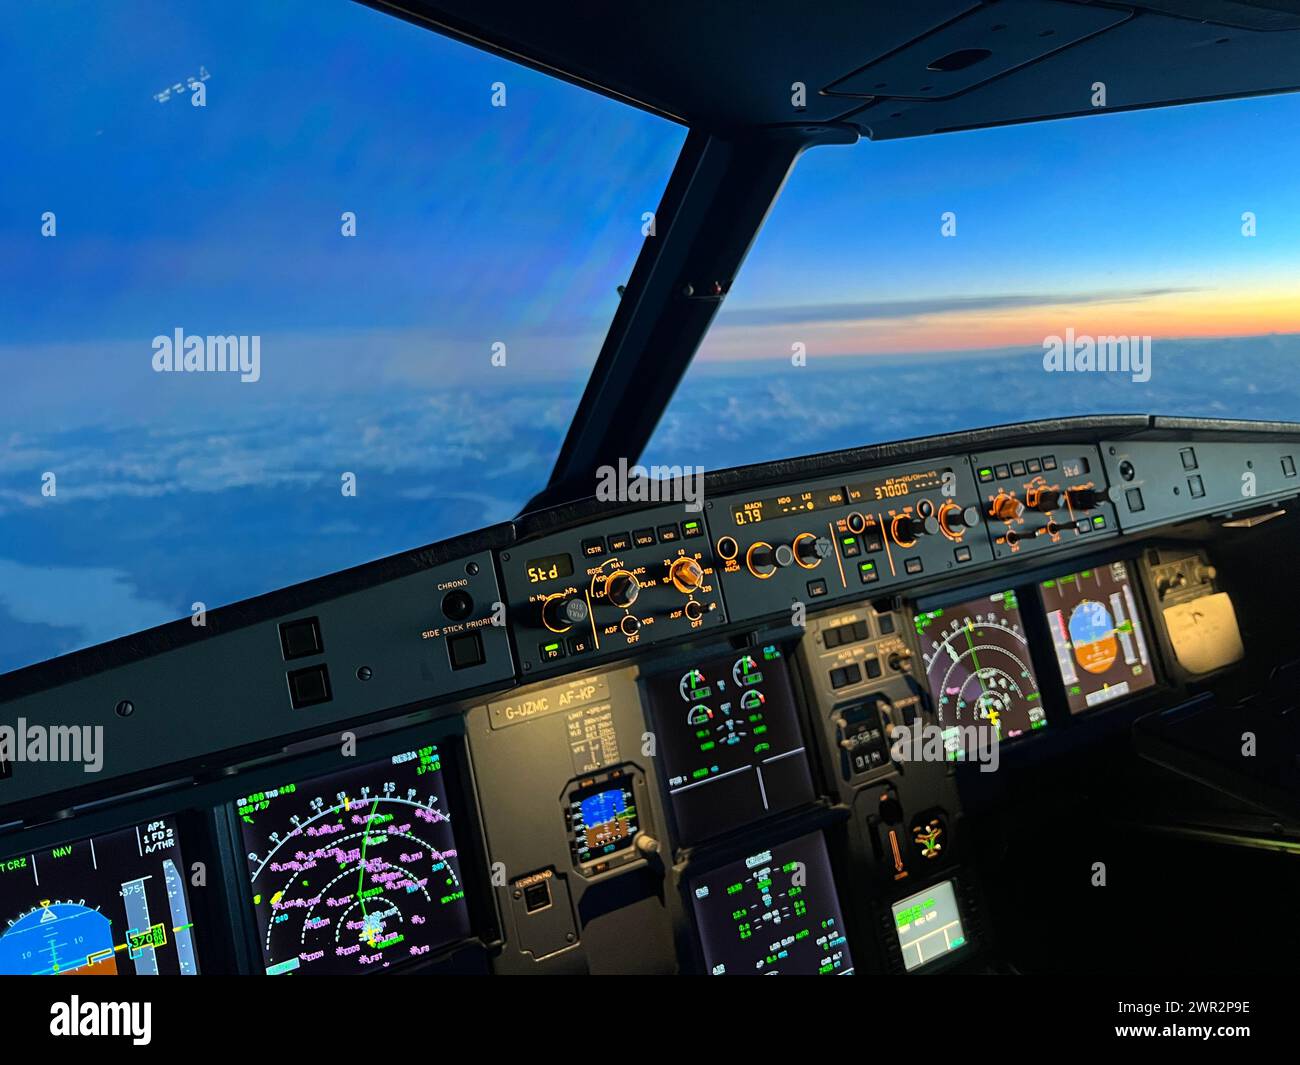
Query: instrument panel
point(978, 669)
point(738, 739)
point(848, 537)
point(616, 586)
point(689, 769)
point(728, 734)
point(115, 904)
point(355, 871)
point(1040, 498)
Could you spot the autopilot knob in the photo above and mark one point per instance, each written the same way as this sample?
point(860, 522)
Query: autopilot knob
point(686, 574)
point(809, 550)
point(622, 588)
point(560, 613)
point(1083, 498)
point(1006, 508)
point(760, 559)
point(900, 661)
point(1048, 499)
point(905, 529)
point(955, 519)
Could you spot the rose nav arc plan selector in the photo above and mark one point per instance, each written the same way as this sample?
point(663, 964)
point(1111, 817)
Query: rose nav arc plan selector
point(612, 587)
point(1039, 498)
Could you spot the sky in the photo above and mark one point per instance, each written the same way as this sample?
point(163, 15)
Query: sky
point(1128, 223)
point(475, 223)
point(483, 229)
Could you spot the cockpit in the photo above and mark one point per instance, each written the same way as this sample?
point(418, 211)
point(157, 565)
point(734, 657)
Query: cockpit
point(496, 490)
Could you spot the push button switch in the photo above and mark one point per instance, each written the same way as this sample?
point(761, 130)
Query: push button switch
point(310, 686)
point(301, 638)
point(465, 650)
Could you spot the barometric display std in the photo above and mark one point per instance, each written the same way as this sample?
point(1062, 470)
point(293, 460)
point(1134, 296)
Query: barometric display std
point(549, 568)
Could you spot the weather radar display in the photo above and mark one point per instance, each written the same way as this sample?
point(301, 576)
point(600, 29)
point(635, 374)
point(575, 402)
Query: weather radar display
point(108, 905)
point(356, 871)
point(978, 670)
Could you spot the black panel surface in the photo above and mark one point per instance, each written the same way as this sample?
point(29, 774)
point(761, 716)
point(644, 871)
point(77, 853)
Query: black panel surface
point(1156, 482)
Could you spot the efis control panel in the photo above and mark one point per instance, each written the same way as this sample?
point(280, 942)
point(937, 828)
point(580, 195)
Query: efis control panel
point(611, 586)
point(1039, 498)
point(847, 537)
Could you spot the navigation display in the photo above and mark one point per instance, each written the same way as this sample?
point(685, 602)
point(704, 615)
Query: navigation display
point(775, 912)
point(356, 871)
point(978, 669)
point(1097, 634)
point(108, 905)
point(730, 742)
point(928, 925)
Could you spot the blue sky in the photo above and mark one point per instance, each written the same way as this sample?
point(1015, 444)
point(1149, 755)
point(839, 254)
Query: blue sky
point(475, 222)
point(478, 224)
point(1091, 211)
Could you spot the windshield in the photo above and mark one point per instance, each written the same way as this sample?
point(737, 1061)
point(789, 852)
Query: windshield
point(911, 287)
point(409, 249)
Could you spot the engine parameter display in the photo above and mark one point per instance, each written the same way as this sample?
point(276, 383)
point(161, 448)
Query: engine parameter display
point(978, 669)
point(730, 741)
point(775, 912)
point(356, 871)
point(1097, 635)
point(928, 925)
point(109, 905)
